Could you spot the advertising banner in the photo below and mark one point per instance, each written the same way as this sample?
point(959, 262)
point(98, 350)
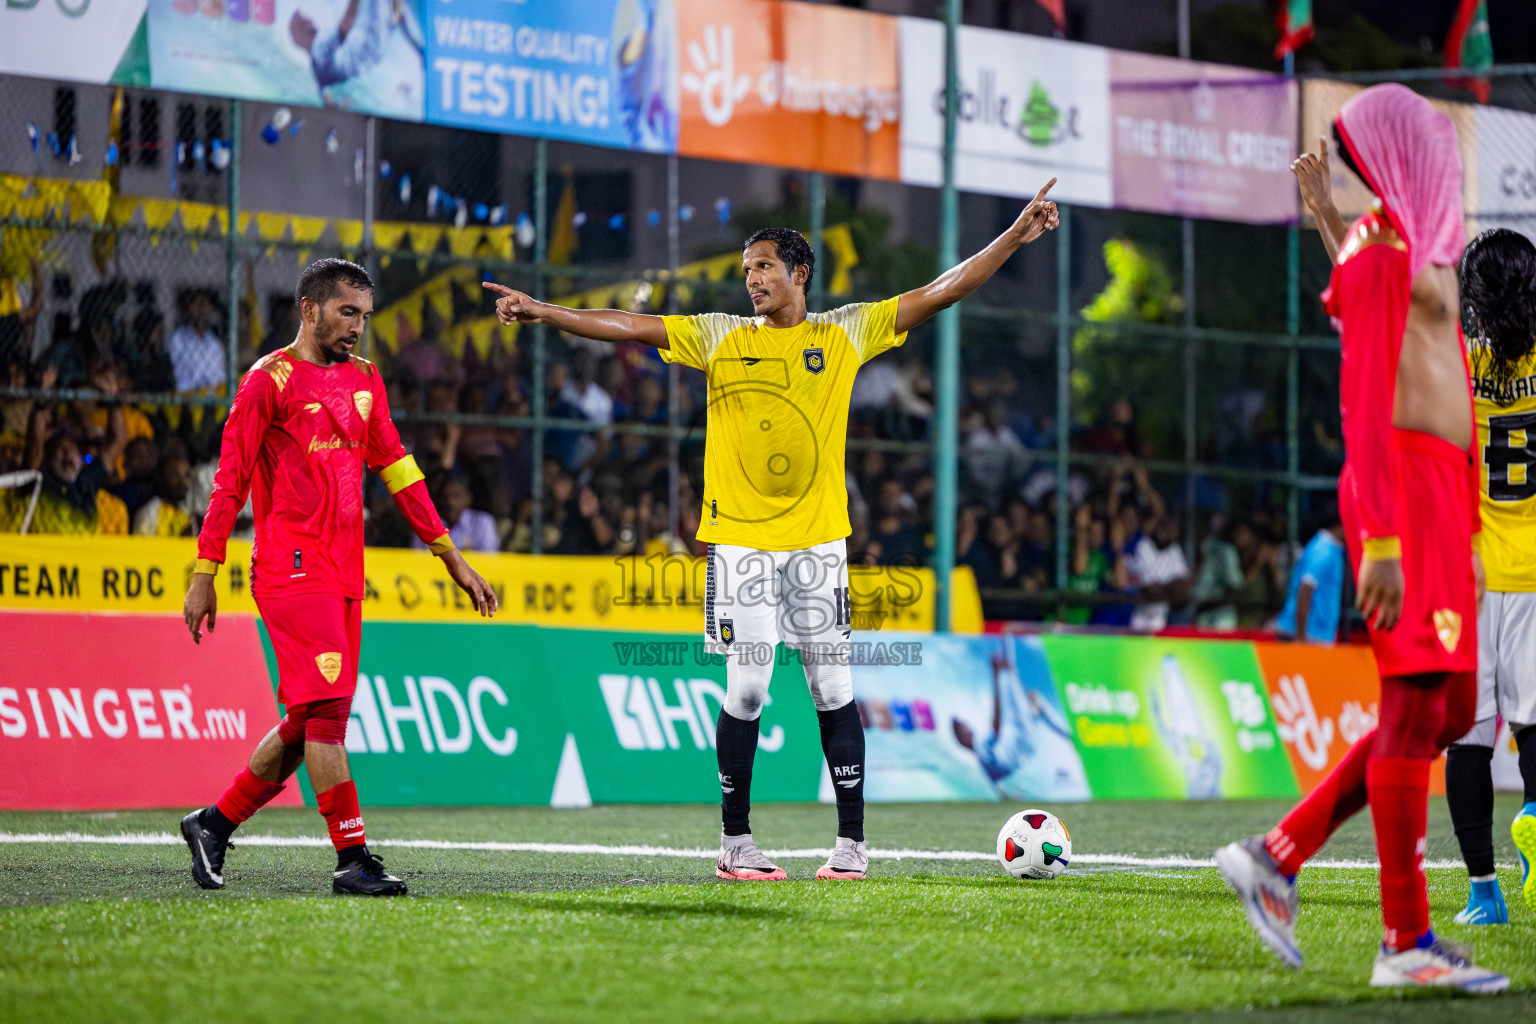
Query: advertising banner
point(76, 40)
point(965, 718)
point(123, 711)
point(1202, 140)
point(1030, 109)
point(1169, 719)
point(447, 714)
point(1320, 103)
point(1506, 169)
point(790, 85)
point(601, 72)
point(360, 55)
point(1324, 699)
point(656, 593)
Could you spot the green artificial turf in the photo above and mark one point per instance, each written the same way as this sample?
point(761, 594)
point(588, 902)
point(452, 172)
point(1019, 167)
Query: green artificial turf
point(91, 931)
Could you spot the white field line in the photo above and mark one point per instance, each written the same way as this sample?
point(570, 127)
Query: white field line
point(628, 850)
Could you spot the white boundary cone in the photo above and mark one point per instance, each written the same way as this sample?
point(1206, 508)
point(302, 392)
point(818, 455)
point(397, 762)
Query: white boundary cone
point(570, 780)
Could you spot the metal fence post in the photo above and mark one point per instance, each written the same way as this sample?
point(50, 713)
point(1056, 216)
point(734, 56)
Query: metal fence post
point(1293, 361)
point(1190, 417)
point(816, 199)
point(674, 375)
point(1063, 394)
point(370, 182)
point(540, 250)
point(947, 372)
point(232, 255)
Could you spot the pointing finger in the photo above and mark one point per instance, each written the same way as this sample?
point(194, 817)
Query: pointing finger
point(1322, 148)
point(1039, 196)
point(493, 286)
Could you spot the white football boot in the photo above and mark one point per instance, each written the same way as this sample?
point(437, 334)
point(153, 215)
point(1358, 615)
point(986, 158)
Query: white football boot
point(741, 861)
point(1269, 898)
point(1442, 964)
point(849, 860)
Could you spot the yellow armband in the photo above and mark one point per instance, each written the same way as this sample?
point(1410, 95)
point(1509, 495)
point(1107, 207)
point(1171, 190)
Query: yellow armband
point(400, 474)
point(205, 567)
point(1379, 548)
point(442, 545)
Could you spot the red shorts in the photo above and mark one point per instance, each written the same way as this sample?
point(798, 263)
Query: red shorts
point(1438, 628)
point(316, 638)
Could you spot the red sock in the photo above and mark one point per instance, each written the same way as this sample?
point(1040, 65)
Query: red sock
point(343, 817)
point(1399, 788)
point(246, 795)
point(1335, 800)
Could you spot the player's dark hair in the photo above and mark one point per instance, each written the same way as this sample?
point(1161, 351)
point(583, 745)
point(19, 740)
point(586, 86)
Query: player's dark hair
point(1348, 157)
point(790, 247)
point(1498, 304)
point(320, 279)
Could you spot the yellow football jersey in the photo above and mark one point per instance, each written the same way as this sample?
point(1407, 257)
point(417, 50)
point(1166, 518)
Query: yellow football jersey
point(777, 427)
point(1506, 434)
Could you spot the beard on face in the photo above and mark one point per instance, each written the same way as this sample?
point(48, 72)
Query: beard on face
point(328, 333)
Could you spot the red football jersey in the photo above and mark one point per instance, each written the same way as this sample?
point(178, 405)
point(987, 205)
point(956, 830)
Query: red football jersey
point(299, 435)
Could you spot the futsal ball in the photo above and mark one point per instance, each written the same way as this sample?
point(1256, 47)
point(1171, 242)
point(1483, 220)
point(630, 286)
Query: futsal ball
point(1034, 844)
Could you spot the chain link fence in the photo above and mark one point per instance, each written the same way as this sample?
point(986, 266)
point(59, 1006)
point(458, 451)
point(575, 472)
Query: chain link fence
point(1179, 376)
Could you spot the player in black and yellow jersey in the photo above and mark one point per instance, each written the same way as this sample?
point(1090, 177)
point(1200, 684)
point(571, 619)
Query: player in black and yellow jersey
point(1498, 295)
point(775, 512)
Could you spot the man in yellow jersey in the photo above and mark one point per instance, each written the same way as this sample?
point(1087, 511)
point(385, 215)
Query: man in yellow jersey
point(1498, 296)
point(775, 511)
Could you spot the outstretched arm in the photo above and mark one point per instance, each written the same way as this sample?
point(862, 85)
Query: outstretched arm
point(516, 307)
point(1311, 170)
point(957, 282)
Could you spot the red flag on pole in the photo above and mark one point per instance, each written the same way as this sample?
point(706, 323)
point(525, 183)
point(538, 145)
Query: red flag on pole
point(1295, 21)
point(1470, 46)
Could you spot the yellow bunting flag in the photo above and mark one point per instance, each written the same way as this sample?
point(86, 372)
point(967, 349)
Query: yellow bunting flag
point(307, 230)
point(271, 227)
point(12, 187)
point(388, 236)
point(838, 239)
point(89, 200)
point(349, 234)
point(499, 240)
point(424, 238)
point(195, 217)
point(463, 242)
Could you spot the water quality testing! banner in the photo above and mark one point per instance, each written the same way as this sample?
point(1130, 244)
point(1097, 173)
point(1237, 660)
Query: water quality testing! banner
point(602, 72)
point(362, 55)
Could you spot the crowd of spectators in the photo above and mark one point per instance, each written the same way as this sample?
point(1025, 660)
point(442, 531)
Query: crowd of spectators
point(147, 467)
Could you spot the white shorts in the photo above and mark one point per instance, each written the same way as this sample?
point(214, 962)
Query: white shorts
point(1506, 658)
point(755, 599)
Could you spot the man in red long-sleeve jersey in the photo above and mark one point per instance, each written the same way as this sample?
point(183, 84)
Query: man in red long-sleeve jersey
point(1409, 501)
point(303, 424)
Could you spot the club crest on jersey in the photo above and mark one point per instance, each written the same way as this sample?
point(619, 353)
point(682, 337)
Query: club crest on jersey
point(727, 632)
point(814, 360)
point(364, 402)
point(330, 665)
point(1448, 628)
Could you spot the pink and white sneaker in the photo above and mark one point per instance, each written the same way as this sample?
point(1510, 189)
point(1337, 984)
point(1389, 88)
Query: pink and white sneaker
point(741, 861)
point(849, 861)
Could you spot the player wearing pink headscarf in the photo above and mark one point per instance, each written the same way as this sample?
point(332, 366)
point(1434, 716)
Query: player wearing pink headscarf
point(1409, 500)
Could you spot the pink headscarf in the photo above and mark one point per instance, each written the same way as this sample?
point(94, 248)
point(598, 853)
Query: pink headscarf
point(1409, 154)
